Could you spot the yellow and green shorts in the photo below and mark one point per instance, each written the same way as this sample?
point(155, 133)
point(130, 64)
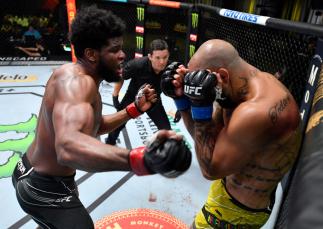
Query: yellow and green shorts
point(223, 211)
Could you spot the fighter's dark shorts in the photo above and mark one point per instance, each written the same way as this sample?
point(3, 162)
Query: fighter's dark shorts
point(51, 201)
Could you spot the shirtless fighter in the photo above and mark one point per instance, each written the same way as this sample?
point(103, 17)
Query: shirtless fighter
point(245, 125)
point(69, 120)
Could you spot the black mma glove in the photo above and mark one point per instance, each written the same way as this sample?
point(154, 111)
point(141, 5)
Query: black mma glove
point(116, 103)
point(166, 85)
point(199, 87)
point(170, 158)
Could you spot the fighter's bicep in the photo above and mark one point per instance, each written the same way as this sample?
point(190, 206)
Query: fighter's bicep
point(237, 143)
point(228, 156)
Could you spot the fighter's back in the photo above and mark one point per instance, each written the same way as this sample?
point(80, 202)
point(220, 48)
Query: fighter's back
point(274, 126)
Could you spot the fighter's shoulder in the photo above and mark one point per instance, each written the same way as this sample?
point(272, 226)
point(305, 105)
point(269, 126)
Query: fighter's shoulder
point(70, 80)
point(249, 114)
point(248, 123)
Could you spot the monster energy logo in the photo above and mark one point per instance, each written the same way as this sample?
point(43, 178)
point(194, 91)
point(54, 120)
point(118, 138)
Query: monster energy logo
point(16, 146)
point(195, 19)
point(192, 50)
point(140, 13)
point(139, 42)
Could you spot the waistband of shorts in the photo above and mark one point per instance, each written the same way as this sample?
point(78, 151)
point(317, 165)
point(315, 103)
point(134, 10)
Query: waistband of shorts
point(26, 162)
point(28, 167)
point(215, 222)
point(236, 202)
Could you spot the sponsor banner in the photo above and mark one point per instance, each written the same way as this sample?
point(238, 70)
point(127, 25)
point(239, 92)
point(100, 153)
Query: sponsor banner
point(4, 78)
point(140, 219)
point(140, 13)
point(195, 20)
point(192, 50)
point(251, 18)
point(17, 129)
point(138, 55)
point(140, 29)
point(169, 4)
point(193, 37)
point(25, 75)
point(23, 58)
point(313, 76)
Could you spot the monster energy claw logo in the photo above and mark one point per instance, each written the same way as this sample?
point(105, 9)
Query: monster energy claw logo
point(195, 19)
point(17, 146)
point(140, 13)
point(139, 42)
point(192, 50)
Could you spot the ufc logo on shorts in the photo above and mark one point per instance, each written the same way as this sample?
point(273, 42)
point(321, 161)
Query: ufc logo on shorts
point(64, 199)
point(21, 167)
point(192, 90)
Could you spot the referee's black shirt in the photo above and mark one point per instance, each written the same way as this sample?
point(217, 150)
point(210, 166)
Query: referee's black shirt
point(140, 71)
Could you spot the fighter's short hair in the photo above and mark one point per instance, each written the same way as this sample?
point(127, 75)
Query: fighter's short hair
point(92, 27)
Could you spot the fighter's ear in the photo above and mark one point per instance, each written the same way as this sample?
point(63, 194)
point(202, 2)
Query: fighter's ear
point(91, 54)
point(224, 74)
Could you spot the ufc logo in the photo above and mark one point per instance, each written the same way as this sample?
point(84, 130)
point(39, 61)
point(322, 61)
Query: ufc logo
point(64, 199)
point(192, 90)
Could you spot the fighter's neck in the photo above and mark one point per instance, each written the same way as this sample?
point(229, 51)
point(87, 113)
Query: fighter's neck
point(241, 81)
point(89, 69)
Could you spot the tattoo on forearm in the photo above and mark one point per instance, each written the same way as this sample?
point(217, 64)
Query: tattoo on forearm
point(276, 110)
point(205, 136)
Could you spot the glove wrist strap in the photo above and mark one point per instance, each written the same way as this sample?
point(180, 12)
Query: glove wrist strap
point(202, 113)
point(182, 103)
point(136, 161)
point(133, 111)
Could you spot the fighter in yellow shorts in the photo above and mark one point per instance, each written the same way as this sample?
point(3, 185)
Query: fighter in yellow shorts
point(245, 126)
point(221, 208)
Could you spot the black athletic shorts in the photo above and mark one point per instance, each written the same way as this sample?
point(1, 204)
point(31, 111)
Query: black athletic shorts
point(51, 201)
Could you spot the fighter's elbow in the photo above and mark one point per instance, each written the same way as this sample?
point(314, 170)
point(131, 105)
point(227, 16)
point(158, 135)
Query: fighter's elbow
point(62, 153)
point(207, 176)
point(212, 173)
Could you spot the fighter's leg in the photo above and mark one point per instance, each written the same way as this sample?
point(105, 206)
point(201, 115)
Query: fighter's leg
point(63, 218)
point(158, 115)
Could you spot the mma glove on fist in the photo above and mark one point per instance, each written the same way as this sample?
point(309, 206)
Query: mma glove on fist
point(133, 109)
point(182, 103)
point(199, 87)
point(170, 158)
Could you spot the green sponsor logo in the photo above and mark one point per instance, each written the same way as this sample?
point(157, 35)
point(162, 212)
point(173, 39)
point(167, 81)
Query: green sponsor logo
point(192, 50)
point(15, 147)
point(140, 13)
point(195, 20)
point(178, 130)
point(139, 42)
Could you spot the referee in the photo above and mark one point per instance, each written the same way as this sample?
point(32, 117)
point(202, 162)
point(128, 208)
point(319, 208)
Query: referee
point(143, 70)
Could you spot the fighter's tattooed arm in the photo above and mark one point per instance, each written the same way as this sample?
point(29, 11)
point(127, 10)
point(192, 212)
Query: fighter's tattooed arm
point(206, 134)
point(188, 121)
point(279, 107)
point(205, 138)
